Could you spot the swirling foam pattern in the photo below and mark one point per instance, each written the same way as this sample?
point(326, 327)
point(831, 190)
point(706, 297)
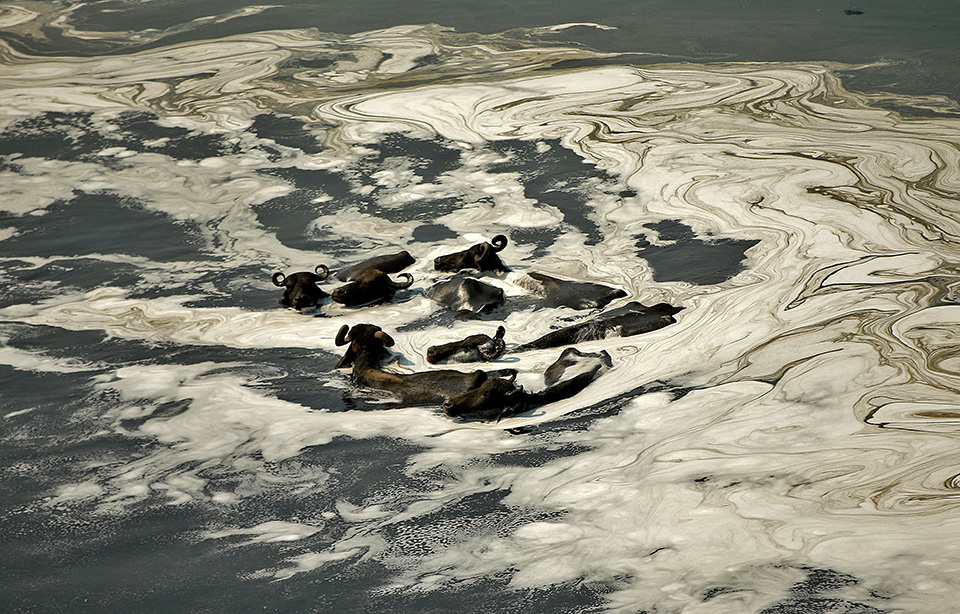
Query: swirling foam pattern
point(803, 414)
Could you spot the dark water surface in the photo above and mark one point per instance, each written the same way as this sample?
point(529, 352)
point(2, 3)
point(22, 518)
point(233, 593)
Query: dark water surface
point(172, 439)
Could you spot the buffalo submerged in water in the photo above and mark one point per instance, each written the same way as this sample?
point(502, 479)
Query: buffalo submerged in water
point(367, 347)
point(632, 319)
point(388, 263)
point(476, 395)
point(371, 286)
point(482, 257)
point(499, 397)
point(466, 294)
point(475, 348)
point(574, 294)
point(300, 289)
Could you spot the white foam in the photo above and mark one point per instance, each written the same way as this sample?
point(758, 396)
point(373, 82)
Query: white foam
point(31, 361)
point(819, 423)
point(268, 532)
point(11, 15)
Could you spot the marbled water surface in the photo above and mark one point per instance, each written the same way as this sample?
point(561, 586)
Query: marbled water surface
point(168, 431)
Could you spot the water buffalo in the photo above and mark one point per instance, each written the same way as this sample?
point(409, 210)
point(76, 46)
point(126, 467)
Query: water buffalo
point(631, 319)
point(573, 361)
point(300, 289)
point(575, 294)
point(482, 256)
point(466, 294)
point(499, 397)
point(370, 286)
point(368, 347)
point(390, 263)
point(475, 348)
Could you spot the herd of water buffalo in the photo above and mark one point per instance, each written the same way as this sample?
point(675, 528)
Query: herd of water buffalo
point(479, 394)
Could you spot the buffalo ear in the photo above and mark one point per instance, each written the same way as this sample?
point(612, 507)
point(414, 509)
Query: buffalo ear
point(477, 378)
point(342, 337)
point(384, 338)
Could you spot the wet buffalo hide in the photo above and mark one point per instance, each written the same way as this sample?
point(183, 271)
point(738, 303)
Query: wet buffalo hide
point(572, 362)
point(575, 294)
point(632, 319)
point(390, 263)
point(466, 294)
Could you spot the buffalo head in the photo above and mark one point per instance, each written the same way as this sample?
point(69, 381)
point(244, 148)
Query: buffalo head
point(493, 398)
point(367, 345)
point(482, 256)
point(300, 289)
point(369, 287)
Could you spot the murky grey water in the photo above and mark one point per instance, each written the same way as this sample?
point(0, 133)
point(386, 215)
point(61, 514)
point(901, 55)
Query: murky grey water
point(173, 438)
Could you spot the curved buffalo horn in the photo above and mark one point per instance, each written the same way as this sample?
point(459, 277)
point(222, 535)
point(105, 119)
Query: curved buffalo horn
point(406, 284)
point(322, 271)
point(498, 242)
point(278, 279)
point(384, 338)
point(498, 348)
point(342, 336)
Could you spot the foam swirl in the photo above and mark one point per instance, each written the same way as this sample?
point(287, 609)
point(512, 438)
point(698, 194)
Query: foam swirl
point(807, 405)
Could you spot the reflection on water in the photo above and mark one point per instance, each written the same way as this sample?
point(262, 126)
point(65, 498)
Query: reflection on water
point(788, 445)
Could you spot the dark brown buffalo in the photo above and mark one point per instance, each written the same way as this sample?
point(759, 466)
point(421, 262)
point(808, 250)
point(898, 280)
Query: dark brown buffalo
point(632, 319)
point(573, 361)
point(300, 289)
point(500, 397)
point(482, 256)
point(390, 263)
point(466, 294)
point(475, 348)
point(368, 347)
point(493, 399)
point(369, 287)
point(575, 294)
